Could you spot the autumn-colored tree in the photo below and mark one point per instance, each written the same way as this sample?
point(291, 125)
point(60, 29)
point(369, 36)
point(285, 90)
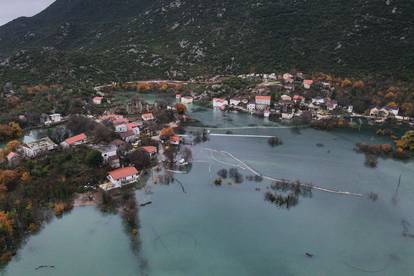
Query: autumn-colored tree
point(33, 227)
point(165, 133)
point(16, 129)
point(25, 177)
point(389, 95)
point(6, 132)
point(346, 83)
point(12, 145)
point(10, 131)
point(164, 86)
point(59, 208)
point(407, 109)
point(9, 178)
point(358, 84)
point(2, 156)
point(181, 108)
point(392, 104)
point(13, 101)
point(144, 86)
point(6, 223)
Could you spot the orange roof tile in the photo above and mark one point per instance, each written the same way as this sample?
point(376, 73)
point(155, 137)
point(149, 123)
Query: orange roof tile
point(175, 138)
point(123, 172)
point(263, 98)
point(150, 149)
point(74, 139)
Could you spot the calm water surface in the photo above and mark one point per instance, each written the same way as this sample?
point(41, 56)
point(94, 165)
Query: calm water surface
point(231, 230)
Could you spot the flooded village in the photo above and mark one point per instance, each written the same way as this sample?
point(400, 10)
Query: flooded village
point(136, 135)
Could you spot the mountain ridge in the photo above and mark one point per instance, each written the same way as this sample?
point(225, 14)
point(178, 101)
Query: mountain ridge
point(178, 38)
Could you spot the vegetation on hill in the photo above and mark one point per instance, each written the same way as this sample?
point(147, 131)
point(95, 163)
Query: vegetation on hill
point(100, 41)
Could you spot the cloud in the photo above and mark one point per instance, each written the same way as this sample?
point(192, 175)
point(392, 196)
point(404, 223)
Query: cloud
point(11, 9)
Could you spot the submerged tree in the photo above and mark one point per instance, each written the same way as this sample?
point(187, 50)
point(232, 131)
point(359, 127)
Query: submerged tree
point(235, 175)
point(222, 173)
point(274, 141)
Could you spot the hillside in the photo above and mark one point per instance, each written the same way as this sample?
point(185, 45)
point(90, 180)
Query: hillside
point(102, 40)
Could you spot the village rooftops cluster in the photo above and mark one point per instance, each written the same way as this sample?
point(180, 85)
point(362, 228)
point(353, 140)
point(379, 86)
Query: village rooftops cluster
point(297, 95)
point(113, 154)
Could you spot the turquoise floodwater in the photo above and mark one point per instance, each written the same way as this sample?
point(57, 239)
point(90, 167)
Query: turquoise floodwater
point(231, 230)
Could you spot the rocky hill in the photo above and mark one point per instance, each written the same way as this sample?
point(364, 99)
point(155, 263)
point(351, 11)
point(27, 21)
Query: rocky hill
point(102, 40)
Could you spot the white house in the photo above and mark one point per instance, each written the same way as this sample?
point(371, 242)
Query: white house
point(379, 112)
point(350, 109)
point(109, 154)
point(74, 141)
point(392, 110)
point(187, 100)
point(318, 101)
point(123, 176)
point(287, 116)
point(235, 101)
point(286, 98)
point(37, 147)
point(53, 118)
point(251, 107)
point(219, 103)
point(331, 105)
point(326, 84)
point(97, 100)
point(107, 151)
point(129, 132)
point(147, 117)
point(121, 128)
point(287, 77)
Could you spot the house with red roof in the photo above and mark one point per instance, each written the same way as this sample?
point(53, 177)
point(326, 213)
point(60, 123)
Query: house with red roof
point(123, 176)
point(175, 140)
point(307, 84)
point(219, 103)
point(150, 150)
point(298, 99)
point(13, 158)
point(97, 100)
point(134, 127)
point(262, 102)
point(75, 140)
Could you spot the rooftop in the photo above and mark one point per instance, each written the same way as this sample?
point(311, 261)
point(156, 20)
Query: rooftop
point(74, 139)
point(123, 172)
point(150, 149)
point(44, 142)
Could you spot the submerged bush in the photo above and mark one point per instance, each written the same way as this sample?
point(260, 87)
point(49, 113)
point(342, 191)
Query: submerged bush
point(274, 141)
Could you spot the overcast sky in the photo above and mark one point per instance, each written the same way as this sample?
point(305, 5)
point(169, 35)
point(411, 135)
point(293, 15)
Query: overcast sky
point(11, 9)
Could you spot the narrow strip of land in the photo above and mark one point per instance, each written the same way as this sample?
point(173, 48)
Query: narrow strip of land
point(334, 191)
point(240, 135)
